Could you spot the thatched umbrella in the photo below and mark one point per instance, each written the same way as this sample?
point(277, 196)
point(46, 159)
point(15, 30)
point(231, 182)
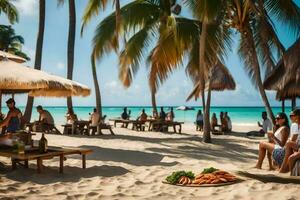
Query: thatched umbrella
point(221, 80)
point(285, 78)
point(6, 55)
point(16, 78)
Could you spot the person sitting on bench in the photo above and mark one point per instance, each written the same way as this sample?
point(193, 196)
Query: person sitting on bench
point(46, 121)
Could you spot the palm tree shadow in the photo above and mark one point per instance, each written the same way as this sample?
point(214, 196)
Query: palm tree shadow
point(71, 174)
point(137, 158)
point(270, 178)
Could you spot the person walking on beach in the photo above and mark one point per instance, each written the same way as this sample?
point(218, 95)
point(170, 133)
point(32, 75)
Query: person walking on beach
point(12, 121)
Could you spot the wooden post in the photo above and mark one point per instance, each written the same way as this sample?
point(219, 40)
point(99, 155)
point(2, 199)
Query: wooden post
point(293, 103)
point(39, 165)
point(83, 161)
point(61, 163)
point(282, 105)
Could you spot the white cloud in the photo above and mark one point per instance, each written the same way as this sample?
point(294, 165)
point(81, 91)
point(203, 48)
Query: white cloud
point(60, 65)
point(27, 7)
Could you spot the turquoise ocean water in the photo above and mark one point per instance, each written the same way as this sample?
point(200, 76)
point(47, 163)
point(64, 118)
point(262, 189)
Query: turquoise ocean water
point(239, 115)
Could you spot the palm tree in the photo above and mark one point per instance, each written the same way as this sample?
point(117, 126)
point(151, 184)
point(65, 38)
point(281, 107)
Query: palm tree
point(149, 16)
point(71, 43)
point(9, 9)
point(38, 55)
point(92, 9)
point(10, 42)
point(258, 39)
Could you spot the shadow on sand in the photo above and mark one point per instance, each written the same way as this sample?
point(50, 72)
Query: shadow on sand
point(71, 174)
point(270, 178)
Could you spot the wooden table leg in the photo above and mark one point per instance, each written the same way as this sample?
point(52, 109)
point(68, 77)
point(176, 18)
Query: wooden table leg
point(180, 128)
point(83, 161)
point(39, 165)
point(13, 164)
point(61, 164)
point(174, 127)
point(26, 164)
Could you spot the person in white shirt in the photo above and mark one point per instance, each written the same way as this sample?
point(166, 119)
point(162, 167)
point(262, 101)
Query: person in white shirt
point(266, 126)
point(95, 118)
point(292, 146)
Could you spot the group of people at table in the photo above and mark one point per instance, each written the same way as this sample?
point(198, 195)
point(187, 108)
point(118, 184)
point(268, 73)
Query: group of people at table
point(224, 126)
point(13, 121)
point(169, 116)
point(282, 147)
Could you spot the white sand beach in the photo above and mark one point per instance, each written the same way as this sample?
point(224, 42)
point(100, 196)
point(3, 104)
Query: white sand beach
point(132, 165)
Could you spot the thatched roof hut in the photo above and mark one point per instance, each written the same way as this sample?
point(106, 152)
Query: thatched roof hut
point(285, 78)
point(4, 55)
point(16, 78)
point(286, 71)
point(221, 80)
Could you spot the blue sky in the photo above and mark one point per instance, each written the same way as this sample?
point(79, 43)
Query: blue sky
point(173, 92)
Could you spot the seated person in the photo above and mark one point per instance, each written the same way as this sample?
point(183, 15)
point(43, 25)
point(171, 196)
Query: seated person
point(266, 126)
point(292, 146)
point(143, 116)
point(223, 122)
point(213, 122)
point(162, 114)
point(12, 121)
point(275, 146)
point(170, 115)
point(228, 122)
point(71, 116)
point(94, 118)
point(199, 121)
point(155, 114)
point(125, 114)
point(46, 120)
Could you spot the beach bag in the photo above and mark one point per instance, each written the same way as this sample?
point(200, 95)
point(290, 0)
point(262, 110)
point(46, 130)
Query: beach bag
point(296, 169)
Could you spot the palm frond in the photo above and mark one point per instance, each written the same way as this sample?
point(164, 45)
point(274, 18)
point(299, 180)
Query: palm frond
point(285, 11)
point(10, 10)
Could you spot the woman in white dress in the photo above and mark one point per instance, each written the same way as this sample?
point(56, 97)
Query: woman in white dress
point(275, 144)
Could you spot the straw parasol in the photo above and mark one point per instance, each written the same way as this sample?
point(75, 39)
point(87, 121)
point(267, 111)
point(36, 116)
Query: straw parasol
point(285, 78)
point(16, 78)
point(221, 80)
point(287, 69)
point(5, 55)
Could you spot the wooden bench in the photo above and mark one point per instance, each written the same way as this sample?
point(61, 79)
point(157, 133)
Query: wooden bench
point(138, 125)
point(99, 128)
point(34, 154)
point(164, 126)
point(124, 122)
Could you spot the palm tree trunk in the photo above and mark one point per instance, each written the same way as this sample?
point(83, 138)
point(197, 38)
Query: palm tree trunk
point(153, 101)
point(71, 44)
point(282, 105)
point(38, 55)
point(202, 46)
point(250, 40)
point(206, 125)
point(97, 88)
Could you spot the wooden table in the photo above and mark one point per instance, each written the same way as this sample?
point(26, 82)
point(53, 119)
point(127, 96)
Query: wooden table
point(52, 152)
point(159, 125)
point(80, 126)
